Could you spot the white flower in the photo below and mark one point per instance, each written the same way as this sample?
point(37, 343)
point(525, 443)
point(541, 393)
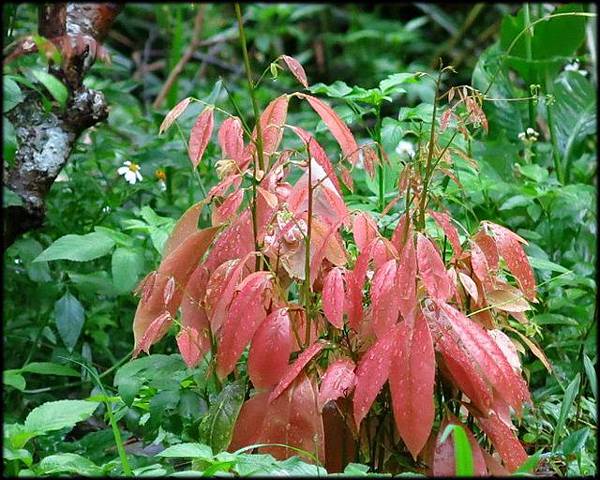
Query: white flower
point(529, 136)
point(131, 172)
point(574, 67)
point(405, 148)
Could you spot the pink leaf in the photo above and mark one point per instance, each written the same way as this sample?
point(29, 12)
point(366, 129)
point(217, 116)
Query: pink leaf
point(364, 230)
point(406, 281)
point(200, 136)
point(443, 457)
point(469, 285)
point(190, 346)
point(154, 332)
point(338, 381)
point(384, 299)
point(412, 377)
point(174, 114)
point(372, 372)
point(185, 226)
point(270, 350)
point(295, 368)
point(246, 313)
point(179, 265)
point(231, 139)
point(296, 69)
point(432, 270)
point(511, 250)
point(336, 126)
point(488, 247)
point(271, 124)
point(504, 440)
point(333, 297)
point(480, 266)
point(228, 208)
point(249, 423)
point(445, 222)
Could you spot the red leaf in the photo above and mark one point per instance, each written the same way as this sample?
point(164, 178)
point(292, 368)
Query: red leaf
point(193, 314)
point(475, 340)
point(338, 381)
point(296, 69)
point(445, 222)
point(190, 346)
point(401, 233)
point(364, 230)
point(488, 247)
point(412, 377)
point(480, 267)
point(157, 328)
point(231, 139)
point(432, 270)
point(271, 124)
point(469, 286)
point(294, 419)
point(347, 178)
point(384, 298)
point(228, 208)
point(494, 466)
point(333, 297)
point(443, 457)
point(246, 313)
point(511, 250)
point(179, 264)
point(372, 372)
point(370, 160)
point(270, 350)
point(248, 425)
point(406, 281)
point(200, 135)
point(504, 440)
point(173, 114)
point(185, 226)
point(320, 156)
point(336, 126)
point(295, 368)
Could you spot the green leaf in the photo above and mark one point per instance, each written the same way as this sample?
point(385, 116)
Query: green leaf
point(69, 463)
point(56, 88)
point(337, 89)
point(13, 378)
point(356, 469)
point(529, 465)
point(12, 94)
point(542, 264)
point(17, 435)
point(463, 456)
point(188, 450)
point(574, 442)
point(49, 368)
point(534, 172)
point(216, 427)
point(69, 316)
point(127, 264)
point(60, 414)
point(590, 372)
point(78, 248)
point(10, 198)
point(17, 454)
point(567, 403)
point(120, 238)
point(389, 85)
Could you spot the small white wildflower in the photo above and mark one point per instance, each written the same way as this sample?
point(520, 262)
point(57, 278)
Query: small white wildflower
point(522, 136)
point(574, 67)
point(529, 136)
point(405, 148)
point(131, 172)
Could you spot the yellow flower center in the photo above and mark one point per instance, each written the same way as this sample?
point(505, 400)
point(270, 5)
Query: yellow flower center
point(160, 174)
point(134, 167)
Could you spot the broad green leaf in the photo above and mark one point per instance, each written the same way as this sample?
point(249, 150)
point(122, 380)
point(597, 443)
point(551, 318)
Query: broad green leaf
point(13, 378)
point(69, 316)
point(534, 172)
point(567, 403)
point(49, 368)
point(12, 94)
point(463, 456)
point(590, 372)
point(390, 85)
point(120, 238)
point(56, 88)
point(356, 469)
point(78, 248)
point(16, 435)
point(188, 450)
point(529, 465)
point(69, 463)
point(17, 454)
point(59, 414)
point(216, 427)
point(337, 89)
point(127, 265)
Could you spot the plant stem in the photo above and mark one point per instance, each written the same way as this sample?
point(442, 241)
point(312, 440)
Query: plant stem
point(259, 140)
point(307, 283)
point(428, 169)
point(529, 57)
point(380, 170)
point(560, 175)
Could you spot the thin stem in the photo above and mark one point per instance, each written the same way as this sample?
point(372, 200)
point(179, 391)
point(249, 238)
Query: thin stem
point(428, 169)
point(529, 57)
point(307, 283)
point(259, 140)
point(380, 170)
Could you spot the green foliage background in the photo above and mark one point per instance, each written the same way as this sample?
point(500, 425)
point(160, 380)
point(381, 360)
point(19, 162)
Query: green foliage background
point(74, 300)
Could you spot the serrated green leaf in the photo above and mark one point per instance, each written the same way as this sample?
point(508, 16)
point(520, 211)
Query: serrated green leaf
point(78, 248)
point(59, 414)
point(69, 316)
